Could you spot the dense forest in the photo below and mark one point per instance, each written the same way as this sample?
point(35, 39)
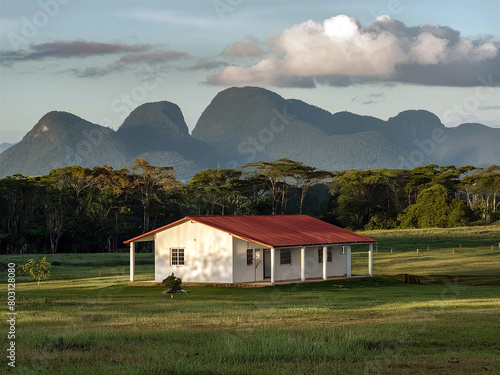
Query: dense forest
point(75, 209)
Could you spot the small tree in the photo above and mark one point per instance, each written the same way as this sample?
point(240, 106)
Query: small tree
point(38, 270)
point(172, 283)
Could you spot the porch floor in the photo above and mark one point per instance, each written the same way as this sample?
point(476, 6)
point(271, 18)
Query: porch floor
point(262, 283)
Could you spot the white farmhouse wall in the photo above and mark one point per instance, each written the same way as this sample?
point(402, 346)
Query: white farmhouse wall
point(242, 272)
point(339, 262)
point(314, 269)
point(207, 253)
point(288, 271)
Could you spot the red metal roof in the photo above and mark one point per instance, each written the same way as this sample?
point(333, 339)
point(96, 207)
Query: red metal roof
point(276, 230)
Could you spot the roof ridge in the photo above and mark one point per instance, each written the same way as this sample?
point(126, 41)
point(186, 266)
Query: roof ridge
point(282, 231)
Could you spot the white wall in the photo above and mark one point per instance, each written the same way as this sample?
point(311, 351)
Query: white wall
point(338, 265)
point(207, 253)
point(288, 271)
point(241, 271)
point(313, 269)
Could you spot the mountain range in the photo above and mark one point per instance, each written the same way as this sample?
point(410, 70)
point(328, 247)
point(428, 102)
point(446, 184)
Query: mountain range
point(250, 124)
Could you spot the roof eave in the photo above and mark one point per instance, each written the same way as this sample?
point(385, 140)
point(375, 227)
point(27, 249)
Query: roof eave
point(154, 231)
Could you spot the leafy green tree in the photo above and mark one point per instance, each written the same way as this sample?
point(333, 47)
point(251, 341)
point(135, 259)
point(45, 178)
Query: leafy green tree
point(149, 184)
point(360, 195)
point(274, 174)
point(305, 177)
point(481, 189)
point(279, 175)
point(21, 218)
point(219, 188)
point(420, 178)
point(434, 208)
point(40, 270)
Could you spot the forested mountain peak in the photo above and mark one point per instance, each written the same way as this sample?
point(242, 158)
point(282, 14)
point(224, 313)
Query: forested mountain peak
point(56, 121)
point(416, 117)
point(154, 126)
point(237, 111)
point(163, 116)
point(247, 93)
point(56, 126)
point(61, 139)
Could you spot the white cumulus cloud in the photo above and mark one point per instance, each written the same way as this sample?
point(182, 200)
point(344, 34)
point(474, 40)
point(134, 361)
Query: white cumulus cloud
point(341, 50)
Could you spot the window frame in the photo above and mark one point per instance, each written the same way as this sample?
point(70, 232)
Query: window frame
point(328, 254)
point(180, 259)
point(285, 257)
point(250, 256)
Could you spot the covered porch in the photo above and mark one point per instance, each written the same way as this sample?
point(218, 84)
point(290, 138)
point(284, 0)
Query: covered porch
point(306, 273)
point(132, 247)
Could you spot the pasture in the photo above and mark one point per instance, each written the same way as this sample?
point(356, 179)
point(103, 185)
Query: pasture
point(89, 320)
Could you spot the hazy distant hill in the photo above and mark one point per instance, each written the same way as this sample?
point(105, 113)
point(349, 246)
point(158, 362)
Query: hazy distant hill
point(250, 124)
point(256, 124)
point(4, 146)
point(154, 127)
point(154, 131)
point(61, 139)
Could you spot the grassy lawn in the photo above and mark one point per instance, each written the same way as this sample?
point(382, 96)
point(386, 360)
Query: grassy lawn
point(88, 320)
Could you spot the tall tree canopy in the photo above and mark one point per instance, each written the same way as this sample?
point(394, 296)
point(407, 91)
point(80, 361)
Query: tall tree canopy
point(76, 209)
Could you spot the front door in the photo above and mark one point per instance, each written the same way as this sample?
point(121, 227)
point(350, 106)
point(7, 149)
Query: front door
point(267, 263)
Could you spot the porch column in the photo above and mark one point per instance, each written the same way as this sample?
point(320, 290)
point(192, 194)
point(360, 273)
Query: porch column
point(348, 260)
point(273, 263)
point(132, 261)
point(325, 259)
point(303, 263)
point(156, 250)
point(370, 259)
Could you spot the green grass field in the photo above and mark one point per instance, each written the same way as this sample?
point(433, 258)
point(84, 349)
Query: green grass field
point(88, 320)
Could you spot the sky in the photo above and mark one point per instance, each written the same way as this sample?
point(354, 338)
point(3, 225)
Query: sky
point(101, 59)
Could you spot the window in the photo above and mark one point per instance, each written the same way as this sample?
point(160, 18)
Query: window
point(249, 257)
point(177, 257)
point(285, 257)
point(328, 254)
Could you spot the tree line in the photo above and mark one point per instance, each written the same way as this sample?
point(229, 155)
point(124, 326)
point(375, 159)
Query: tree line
point(76, 209)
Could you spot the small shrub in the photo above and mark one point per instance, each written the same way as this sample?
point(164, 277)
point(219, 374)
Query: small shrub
point(172, 283)
point(38, 270)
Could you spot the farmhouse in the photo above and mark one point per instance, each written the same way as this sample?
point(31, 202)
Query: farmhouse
point(245, 249)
